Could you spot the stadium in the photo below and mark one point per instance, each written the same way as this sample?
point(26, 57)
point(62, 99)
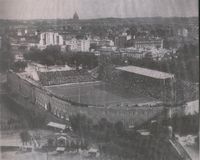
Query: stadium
point(129, 94)
point(80, 87)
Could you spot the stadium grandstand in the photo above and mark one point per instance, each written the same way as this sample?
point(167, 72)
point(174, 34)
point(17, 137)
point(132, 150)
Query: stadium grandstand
point(117, 82)
point(147, 72)
point(55, 75)
point(160, 85)
point(142, 81)
point(62, 77)
point(156, 84)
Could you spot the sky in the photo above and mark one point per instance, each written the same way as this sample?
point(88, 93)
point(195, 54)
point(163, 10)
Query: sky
point(89, 9)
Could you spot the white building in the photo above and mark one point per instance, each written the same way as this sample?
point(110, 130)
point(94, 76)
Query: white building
point(78, 45)
point(51, 38)
point(102, 42)
point(19, 33)
point(133, 52)
point(183, 32)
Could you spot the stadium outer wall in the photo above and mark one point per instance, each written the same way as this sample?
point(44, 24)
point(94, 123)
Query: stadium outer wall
point(36, 94)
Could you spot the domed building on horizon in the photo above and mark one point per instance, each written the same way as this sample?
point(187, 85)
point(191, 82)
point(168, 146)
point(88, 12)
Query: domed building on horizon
point(75, 16)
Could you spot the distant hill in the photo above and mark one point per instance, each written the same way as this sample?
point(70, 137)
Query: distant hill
point(150, 20)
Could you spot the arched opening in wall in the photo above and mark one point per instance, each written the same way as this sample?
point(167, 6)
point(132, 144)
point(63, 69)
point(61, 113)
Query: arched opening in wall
point(49, 107)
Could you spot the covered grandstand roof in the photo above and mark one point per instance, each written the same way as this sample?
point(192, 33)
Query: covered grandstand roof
point(146, 72)
point(56, 125)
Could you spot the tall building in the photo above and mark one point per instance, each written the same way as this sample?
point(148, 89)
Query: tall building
point(51, 38)
point(75, 17)
point(81, 45)
point(121, 41)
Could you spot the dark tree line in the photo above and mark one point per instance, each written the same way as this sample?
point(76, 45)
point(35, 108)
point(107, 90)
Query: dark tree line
point(114, 139)
point(184, 64)
point(19, 66)
point(52, 55)
point(185, 125)
point(103, 130)
point(25, 137)
point(6, 57)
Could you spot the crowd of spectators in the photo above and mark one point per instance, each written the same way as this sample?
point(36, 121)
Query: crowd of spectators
point(61, 77)
point(174, 91)
point(136, 84)
point(186, 91)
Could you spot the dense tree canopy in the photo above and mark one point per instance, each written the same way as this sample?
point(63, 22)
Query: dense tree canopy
point(6, 57)
point(184, 64)
point(19, 66)
point(52, 55)
point(118, 141)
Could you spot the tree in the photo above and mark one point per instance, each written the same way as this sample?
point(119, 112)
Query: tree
point(6, 57)
point(50, 142)
point(34, 54)
point(19, 66)
point(119, 127)
point(80, 123)
point(25, 137)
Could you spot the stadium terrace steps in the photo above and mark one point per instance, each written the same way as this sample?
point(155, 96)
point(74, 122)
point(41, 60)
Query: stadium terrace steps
point(61, 77)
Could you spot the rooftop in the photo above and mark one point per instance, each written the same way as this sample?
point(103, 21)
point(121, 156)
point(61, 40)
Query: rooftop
point(56, 125)
point(55, 68)
point(146, 72)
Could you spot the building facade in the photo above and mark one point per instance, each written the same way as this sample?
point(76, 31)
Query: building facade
point(78, 45)
point(121, 41)
point(146, 43)
point(51, 38)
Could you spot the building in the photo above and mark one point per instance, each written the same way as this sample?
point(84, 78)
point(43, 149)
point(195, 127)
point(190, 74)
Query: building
point(102, 42)
point(146, 42)
point(78, 45)
point(75, 16)
point(121, 41)
point(51, 38)
point(19, 33)
point(183, 32)
point(132, 52)
point(125, 40)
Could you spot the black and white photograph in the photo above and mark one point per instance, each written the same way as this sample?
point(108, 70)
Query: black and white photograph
point(99, 80)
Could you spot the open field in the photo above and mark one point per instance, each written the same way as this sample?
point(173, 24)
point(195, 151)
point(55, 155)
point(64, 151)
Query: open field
point(97, 93)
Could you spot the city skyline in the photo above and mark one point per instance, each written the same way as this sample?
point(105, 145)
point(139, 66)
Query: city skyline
point(91, 9)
